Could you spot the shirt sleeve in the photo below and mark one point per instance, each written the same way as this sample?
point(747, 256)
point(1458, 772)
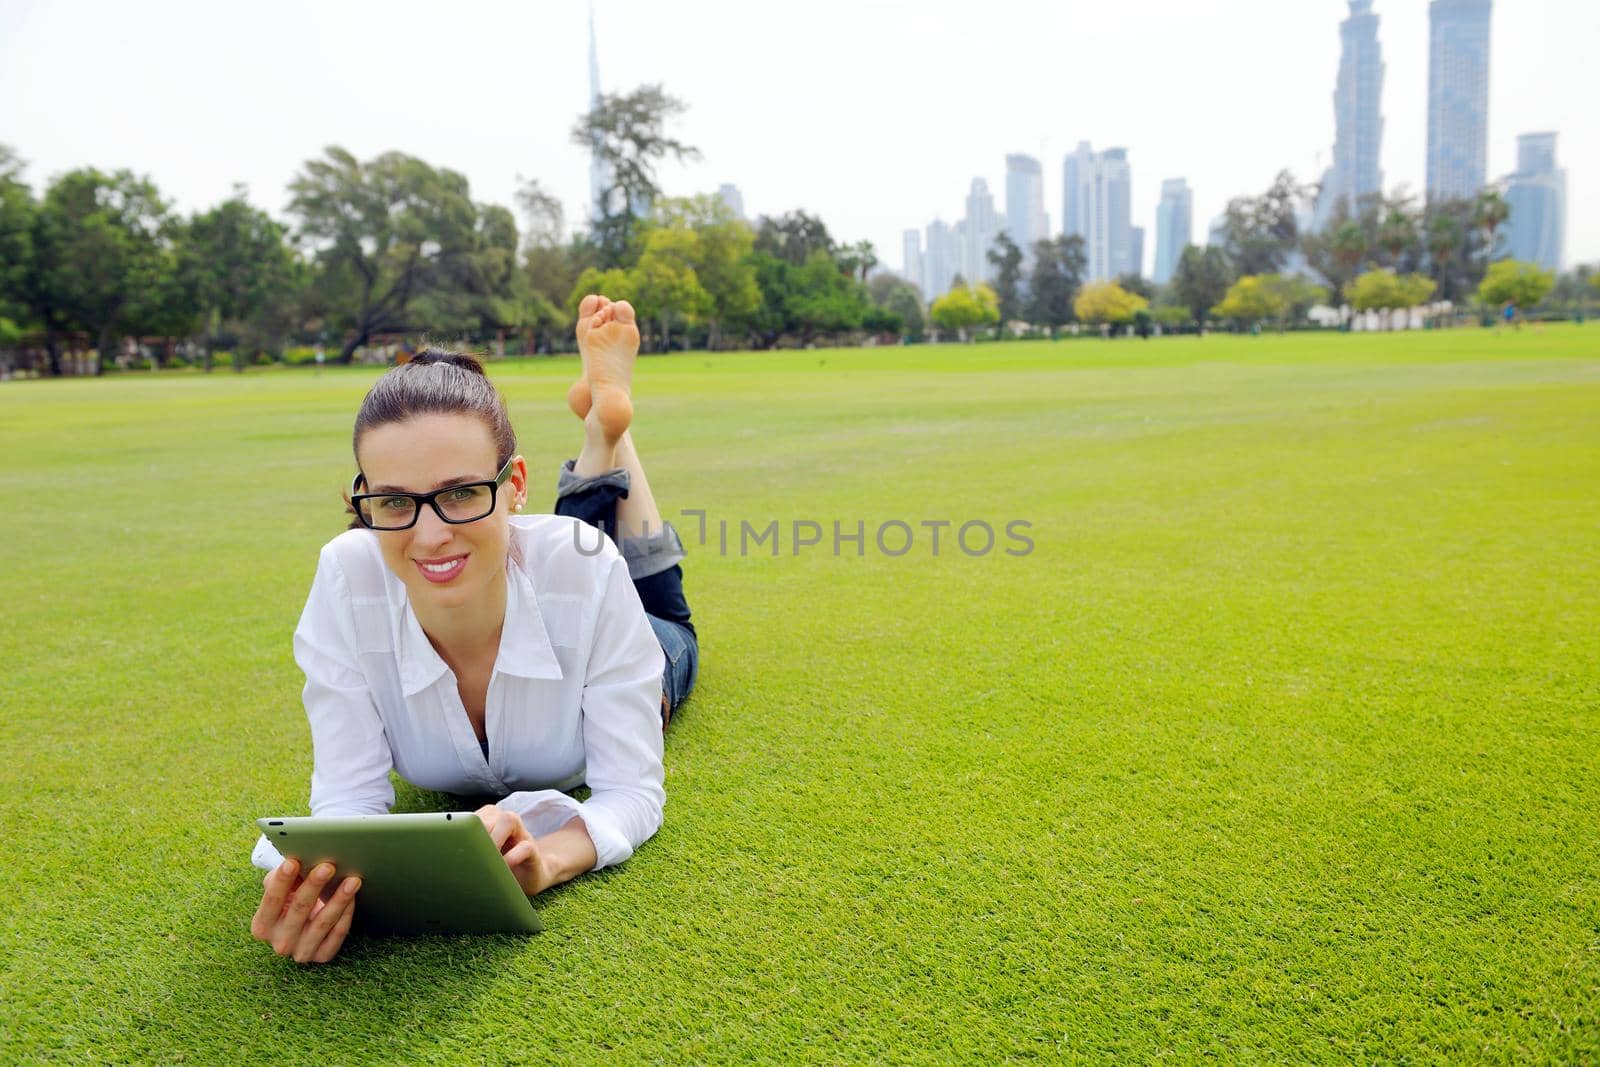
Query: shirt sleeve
point(350, 752)
point(622, 735)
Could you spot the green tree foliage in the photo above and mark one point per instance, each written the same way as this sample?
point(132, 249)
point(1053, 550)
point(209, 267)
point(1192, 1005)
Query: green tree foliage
point(18, 216)
point(1058, 267)
point(1251, 300)
point(393, 233)
point(1384, 290)
point(721, 260)
point(550, 265)
point(1006, 259)
point(1260, 232)
point(1490, 212)
point(858, 259)
point(899, 298)
point(1201, 280)
point(1512, 281)
point(793, 237)
point(627, 132)
point(666, 289)
point(966, 307)
point(101, 242)
point(240, 272)
point(1107, 303)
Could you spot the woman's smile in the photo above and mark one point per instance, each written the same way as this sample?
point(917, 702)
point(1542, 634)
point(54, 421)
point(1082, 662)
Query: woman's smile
point(444, 569)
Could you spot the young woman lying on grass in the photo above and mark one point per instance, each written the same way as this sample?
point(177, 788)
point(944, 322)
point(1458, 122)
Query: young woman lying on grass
point(481, 652)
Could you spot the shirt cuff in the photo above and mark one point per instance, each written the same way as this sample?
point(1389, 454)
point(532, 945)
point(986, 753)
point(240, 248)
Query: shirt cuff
point(544, 811)
point(265, 856)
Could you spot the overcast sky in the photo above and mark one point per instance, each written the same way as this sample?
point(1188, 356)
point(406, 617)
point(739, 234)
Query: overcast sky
point(875, 116)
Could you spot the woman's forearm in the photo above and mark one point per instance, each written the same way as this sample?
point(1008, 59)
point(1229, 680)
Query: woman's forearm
point(566, 853)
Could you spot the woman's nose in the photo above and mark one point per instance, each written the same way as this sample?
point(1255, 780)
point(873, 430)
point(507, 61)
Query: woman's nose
point(431, 529)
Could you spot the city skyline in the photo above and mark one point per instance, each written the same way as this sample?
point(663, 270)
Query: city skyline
point(275, 95)
point(1357, 167)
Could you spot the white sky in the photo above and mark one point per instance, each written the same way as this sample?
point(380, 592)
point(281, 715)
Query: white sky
point(875, 116)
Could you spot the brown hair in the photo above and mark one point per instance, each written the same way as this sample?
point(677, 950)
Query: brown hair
point(434, 381)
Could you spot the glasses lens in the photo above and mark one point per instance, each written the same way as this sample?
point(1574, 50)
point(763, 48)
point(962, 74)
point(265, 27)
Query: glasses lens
point(466, 503)
point(388, 512)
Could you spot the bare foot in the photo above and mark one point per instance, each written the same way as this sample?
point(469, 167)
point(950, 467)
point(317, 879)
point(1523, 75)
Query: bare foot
point(608, 340)
point(578, 398)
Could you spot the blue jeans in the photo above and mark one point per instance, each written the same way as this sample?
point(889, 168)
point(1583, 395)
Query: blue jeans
point(653, 564)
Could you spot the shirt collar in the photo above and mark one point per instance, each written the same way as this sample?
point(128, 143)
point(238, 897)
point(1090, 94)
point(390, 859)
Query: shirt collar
point(525, 649)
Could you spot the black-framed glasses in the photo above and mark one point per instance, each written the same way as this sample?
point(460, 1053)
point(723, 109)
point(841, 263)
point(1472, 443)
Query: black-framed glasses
point(466, 502)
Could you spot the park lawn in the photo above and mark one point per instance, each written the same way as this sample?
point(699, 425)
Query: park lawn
point(1282, 742)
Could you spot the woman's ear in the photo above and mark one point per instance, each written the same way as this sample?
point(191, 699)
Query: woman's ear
point(519, 482)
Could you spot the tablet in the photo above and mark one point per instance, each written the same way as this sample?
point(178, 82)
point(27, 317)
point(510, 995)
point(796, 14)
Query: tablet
point(430, 873)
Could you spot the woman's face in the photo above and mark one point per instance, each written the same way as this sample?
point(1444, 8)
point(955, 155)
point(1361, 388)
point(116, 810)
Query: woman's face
point(430, 452)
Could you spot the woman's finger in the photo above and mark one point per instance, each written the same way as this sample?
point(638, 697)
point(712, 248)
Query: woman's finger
point(521, 852)
point(275, 889)
point(294, 919)
point(335, 940)
point(326, 916)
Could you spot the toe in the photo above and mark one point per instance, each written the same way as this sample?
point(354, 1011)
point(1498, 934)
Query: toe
point(622, 311)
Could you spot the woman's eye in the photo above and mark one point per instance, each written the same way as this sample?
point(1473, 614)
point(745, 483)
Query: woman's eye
point(457, 496)
point(396, 503)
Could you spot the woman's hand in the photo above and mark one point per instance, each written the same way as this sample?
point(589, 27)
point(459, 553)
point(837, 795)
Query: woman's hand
point(298, 918)
point(519, 847)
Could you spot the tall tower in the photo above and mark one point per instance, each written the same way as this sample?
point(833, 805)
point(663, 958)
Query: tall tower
point(1105, 211)
point(599, 172)
point(1025, 219)
point(1174, 228)
point(982, 225)
point(1537, 193)
point(1458, 97)
point(1358, 120)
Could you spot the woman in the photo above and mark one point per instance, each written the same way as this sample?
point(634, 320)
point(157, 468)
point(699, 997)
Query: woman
point(480, 652)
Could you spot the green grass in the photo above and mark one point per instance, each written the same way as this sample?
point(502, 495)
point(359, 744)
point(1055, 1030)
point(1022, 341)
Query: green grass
point(1282, 744)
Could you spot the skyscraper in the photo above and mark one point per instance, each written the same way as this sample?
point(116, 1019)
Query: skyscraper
point(1135, 258)
point(1074, 166)
point(1358, 121)
point(982, 225)
point(939, 258)
point(599, 172)
point(911, 254)
point(1458, 97)
point(1537, 196)
point(1174, 227)
point(1025, 217)
point(731, 197)
point(1105, 208)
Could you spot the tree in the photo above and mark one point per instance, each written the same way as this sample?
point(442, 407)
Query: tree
point(1252, 299)
point(905, 302)
point(964, 307)
point(550, 265)
point(1397, 233)
point(100, 241)
point(1058, 266)
point(1107, 303)
point(383, 234)
point(1136, 284)
point(721, 259)
point(1006, 259)
point(793, 237)
point(18, 216)
point(823, 299)
point(1491, 211)
point(1384, 290)
point(1201, 280)
point(858, 259)
point(664, 283)
point(239, 266)
point(1512, 281)
point(626, 133)
point(1260, 232)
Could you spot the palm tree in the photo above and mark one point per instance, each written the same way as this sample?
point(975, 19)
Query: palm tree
point(1491, 211)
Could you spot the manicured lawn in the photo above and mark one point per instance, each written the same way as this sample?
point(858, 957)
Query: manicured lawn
point(1282, 743)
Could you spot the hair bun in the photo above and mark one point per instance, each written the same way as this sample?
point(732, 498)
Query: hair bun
point(464, 360)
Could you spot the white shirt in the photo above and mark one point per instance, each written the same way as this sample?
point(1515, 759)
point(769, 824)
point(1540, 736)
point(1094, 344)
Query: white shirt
point(575, 695)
